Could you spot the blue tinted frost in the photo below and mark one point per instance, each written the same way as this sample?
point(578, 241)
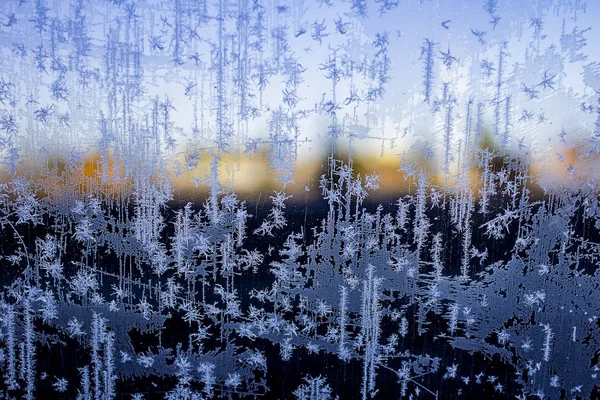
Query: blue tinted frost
point(136, 265)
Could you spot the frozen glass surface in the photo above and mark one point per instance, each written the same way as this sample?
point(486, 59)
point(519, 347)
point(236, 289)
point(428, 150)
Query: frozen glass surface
point(294, 199)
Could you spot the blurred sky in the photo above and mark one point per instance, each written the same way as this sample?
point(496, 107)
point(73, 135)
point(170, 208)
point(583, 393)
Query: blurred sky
point(540, 37)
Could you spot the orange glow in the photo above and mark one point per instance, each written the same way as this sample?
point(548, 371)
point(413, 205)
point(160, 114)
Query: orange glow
point(253, 175)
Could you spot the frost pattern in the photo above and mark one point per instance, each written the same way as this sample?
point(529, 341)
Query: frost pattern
point(136, 263)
